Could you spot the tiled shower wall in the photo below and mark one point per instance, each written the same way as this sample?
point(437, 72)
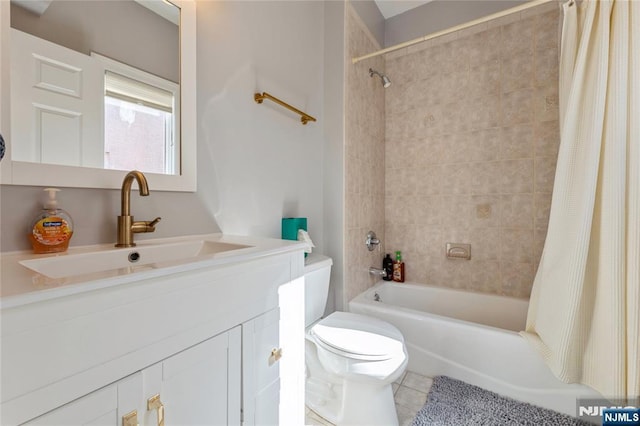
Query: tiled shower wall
point(471, 143)
point(364, 168)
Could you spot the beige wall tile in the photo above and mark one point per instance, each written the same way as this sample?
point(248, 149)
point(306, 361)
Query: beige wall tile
point(365, 149)
point(517, 72)
point(518, 107)
point(456, 148)
point(484, 145)
point(517, 211)
point(418, 47)
point(543, 8)
point(545, 170)
point(457, 273)
point(547, 139)
point(471, 123)
point(517, 142)
point(546, 104)
point(547, 29)
point(484, 46)
point(516, 176)
point(429, 241)
point(430, 179)
point(542, 207)
point(428, 210)
point(485, 112)
point(484, 79)
point(517, 37)
point(485, 243)
point(485, 211)
point(456, 178)
point(539, 236)
point(516, 245)
point(486, 177)
point(456, 211)
point(485, 276)
point(546, 67)
point(517, 278)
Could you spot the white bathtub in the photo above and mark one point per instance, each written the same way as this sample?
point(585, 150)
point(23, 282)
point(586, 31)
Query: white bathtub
point(471, 337)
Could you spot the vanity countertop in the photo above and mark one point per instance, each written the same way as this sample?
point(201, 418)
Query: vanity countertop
point(20, 285)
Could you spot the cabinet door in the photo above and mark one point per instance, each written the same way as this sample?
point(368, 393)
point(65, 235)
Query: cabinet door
point(198, 386)
point(261, 369)
point(104, 407)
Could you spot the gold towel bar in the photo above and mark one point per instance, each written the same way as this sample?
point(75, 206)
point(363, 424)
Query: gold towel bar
point(304, 117)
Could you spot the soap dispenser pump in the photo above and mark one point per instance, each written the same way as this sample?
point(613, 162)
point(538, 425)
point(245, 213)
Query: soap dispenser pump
point(52, 229)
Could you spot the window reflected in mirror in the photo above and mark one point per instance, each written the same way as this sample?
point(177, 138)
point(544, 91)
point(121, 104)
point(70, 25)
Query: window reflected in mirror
point(140, 123)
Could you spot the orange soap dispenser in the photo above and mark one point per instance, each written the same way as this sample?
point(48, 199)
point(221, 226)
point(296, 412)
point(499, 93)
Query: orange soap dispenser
point(52, 229)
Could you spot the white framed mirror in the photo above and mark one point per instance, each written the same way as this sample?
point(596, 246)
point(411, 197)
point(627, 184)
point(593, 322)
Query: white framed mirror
point(92, 159)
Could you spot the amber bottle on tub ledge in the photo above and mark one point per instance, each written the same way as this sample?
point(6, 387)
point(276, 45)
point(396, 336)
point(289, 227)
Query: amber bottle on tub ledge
point(398, 268)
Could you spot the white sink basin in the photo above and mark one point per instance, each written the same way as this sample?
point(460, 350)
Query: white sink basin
point(139, 257)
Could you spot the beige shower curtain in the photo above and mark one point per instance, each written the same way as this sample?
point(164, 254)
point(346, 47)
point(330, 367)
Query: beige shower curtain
point(583, 315)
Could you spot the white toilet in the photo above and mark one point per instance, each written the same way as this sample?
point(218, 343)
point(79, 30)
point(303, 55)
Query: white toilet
point(351, 359)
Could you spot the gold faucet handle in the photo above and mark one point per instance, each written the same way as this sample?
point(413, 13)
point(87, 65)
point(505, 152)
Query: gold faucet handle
point(145, 225)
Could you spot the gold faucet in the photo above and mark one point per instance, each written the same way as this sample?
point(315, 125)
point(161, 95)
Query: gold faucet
point(126, 226)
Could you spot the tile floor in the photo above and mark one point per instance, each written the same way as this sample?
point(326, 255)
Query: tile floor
point(410, 393)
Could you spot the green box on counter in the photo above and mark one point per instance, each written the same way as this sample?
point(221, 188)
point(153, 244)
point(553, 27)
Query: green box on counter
point(290, 226)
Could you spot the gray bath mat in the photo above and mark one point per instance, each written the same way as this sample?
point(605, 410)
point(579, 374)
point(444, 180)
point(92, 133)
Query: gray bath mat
point(451, 402)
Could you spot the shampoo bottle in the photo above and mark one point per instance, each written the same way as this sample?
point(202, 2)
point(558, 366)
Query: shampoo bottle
point(387, 265)
point(52, 229)
point(398, 268)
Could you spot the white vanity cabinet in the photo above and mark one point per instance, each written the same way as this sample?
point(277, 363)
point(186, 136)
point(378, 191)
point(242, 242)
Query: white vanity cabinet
point(99, 408)
point(261, 353)
point(206, 340)
point(198, 386)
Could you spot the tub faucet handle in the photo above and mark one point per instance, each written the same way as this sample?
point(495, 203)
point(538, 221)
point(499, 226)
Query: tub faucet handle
point(372, 241)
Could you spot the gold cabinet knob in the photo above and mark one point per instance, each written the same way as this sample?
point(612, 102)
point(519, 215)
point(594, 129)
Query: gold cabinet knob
point(154, 403)
point(130, 419)
point(276, 354)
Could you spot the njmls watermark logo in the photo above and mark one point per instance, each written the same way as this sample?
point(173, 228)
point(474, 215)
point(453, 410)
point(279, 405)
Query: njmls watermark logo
point(605, 412)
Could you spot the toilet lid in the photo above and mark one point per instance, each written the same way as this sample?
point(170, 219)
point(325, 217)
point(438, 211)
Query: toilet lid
point(360, 337)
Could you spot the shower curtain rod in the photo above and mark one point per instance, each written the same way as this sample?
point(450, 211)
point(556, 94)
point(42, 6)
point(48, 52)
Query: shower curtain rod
point(468, 24)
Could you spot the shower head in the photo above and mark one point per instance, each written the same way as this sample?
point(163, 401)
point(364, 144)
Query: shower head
point(385, 80)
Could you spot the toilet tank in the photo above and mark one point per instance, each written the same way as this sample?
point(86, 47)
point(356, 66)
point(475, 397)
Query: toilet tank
point(317, 271)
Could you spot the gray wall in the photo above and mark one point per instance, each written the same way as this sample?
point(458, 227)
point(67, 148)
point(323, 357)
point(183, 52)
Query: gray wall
point(256, 163)
point(439, 15)
point(121, 30)
point(94, 213)
point(334, 150)
point(372, 18)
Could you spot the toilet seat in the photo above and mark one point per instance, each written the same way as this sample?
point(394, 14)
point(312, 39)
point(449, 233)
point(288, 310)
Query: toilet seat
point(358, 337)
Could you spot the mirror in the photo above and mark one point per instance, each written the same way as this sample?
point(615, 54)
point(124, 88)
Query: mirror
point(92, 136)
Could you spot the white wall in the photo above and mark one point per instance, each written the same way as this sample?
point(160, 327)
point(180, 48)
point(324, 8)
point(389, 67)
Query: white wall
point(258, 163)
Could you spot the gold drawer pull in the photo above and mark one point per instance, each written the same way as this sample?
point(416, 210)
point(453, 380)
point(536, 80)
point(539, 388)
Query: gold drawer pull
point(154, 403)
point(130, 419)
point(276, 354)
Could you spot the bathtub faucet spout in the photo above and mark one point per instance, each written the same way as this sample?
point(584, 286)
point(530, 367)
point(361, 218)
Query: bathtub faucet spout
point(377, 272)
